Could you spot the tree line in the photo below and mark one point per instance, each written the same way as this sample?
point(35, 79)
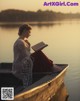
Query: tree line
point(12, 15)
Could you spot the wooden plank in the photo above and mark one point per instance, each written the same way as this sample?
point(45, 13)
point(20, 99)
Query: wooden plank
point(61, 94)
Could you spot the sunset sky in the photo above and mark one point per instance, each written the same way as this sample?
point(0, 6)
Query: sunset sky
point(34, 5)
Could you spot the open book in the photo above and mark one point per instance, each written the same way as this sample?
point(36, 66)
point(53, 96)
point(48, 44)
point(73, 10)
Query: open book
point(39, 46)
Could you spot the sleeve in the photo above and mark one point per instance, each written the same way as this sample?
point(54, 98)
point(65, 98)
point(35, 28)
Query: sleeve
point(23, 49)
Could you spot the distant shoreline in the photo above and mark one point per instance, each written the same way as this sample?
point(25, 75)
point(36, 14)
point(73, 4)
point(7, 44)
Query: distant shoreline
point(12, 15)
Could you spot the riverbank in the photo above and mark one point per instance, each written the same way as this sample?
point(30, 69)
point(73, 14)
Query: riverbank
point(12, 15)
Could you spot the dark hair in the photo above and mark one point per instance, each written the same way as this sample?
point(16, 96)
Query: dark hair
point(24, 27)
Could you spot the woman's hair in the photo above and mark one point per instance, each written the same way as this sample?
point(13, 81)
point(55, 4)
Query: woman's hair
point(23, 28)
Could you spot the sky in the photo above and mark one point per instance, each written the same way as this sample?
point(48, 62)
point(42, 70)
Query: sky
point(34, 5)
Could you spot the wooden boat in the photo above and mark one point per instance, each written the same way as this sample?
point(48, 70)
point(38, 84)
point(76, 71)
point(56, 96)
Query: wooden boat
point(46, 81)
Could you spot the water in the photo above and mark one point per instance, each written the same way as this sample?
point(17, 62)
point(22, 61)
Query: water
point(63, 39)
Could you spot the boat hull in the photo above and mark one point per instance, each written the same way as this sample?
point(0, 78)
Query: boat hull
point(45, 89)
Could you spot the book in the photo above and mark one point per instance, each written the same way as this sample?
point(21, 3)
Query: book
point(39, 46)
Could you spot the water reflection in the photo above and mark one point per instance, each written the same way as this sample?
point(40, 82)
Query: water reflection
point(12, 25)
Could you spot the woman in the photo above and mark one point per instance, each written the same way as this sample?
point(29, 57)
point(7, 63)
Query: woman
point(22, 64)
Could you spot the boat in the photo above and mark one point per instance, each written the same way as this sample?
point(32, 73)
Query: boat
point(47, 81)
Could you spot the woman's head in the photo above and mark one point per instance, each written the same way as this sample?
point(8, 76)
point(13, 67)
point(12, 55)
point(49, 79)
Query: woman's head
point(24, 30)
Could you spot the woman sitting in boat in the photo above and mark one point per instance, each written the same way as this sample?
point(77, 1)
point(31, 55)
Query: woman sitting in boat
point(22, 64)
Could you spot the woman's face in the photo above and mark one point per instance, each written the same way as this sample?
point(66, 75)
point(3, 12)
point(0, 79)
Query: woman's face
point(27, 33)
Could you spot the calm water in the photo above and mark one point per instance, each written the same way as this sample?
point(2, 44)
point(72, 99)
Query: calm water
point(63, 39)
